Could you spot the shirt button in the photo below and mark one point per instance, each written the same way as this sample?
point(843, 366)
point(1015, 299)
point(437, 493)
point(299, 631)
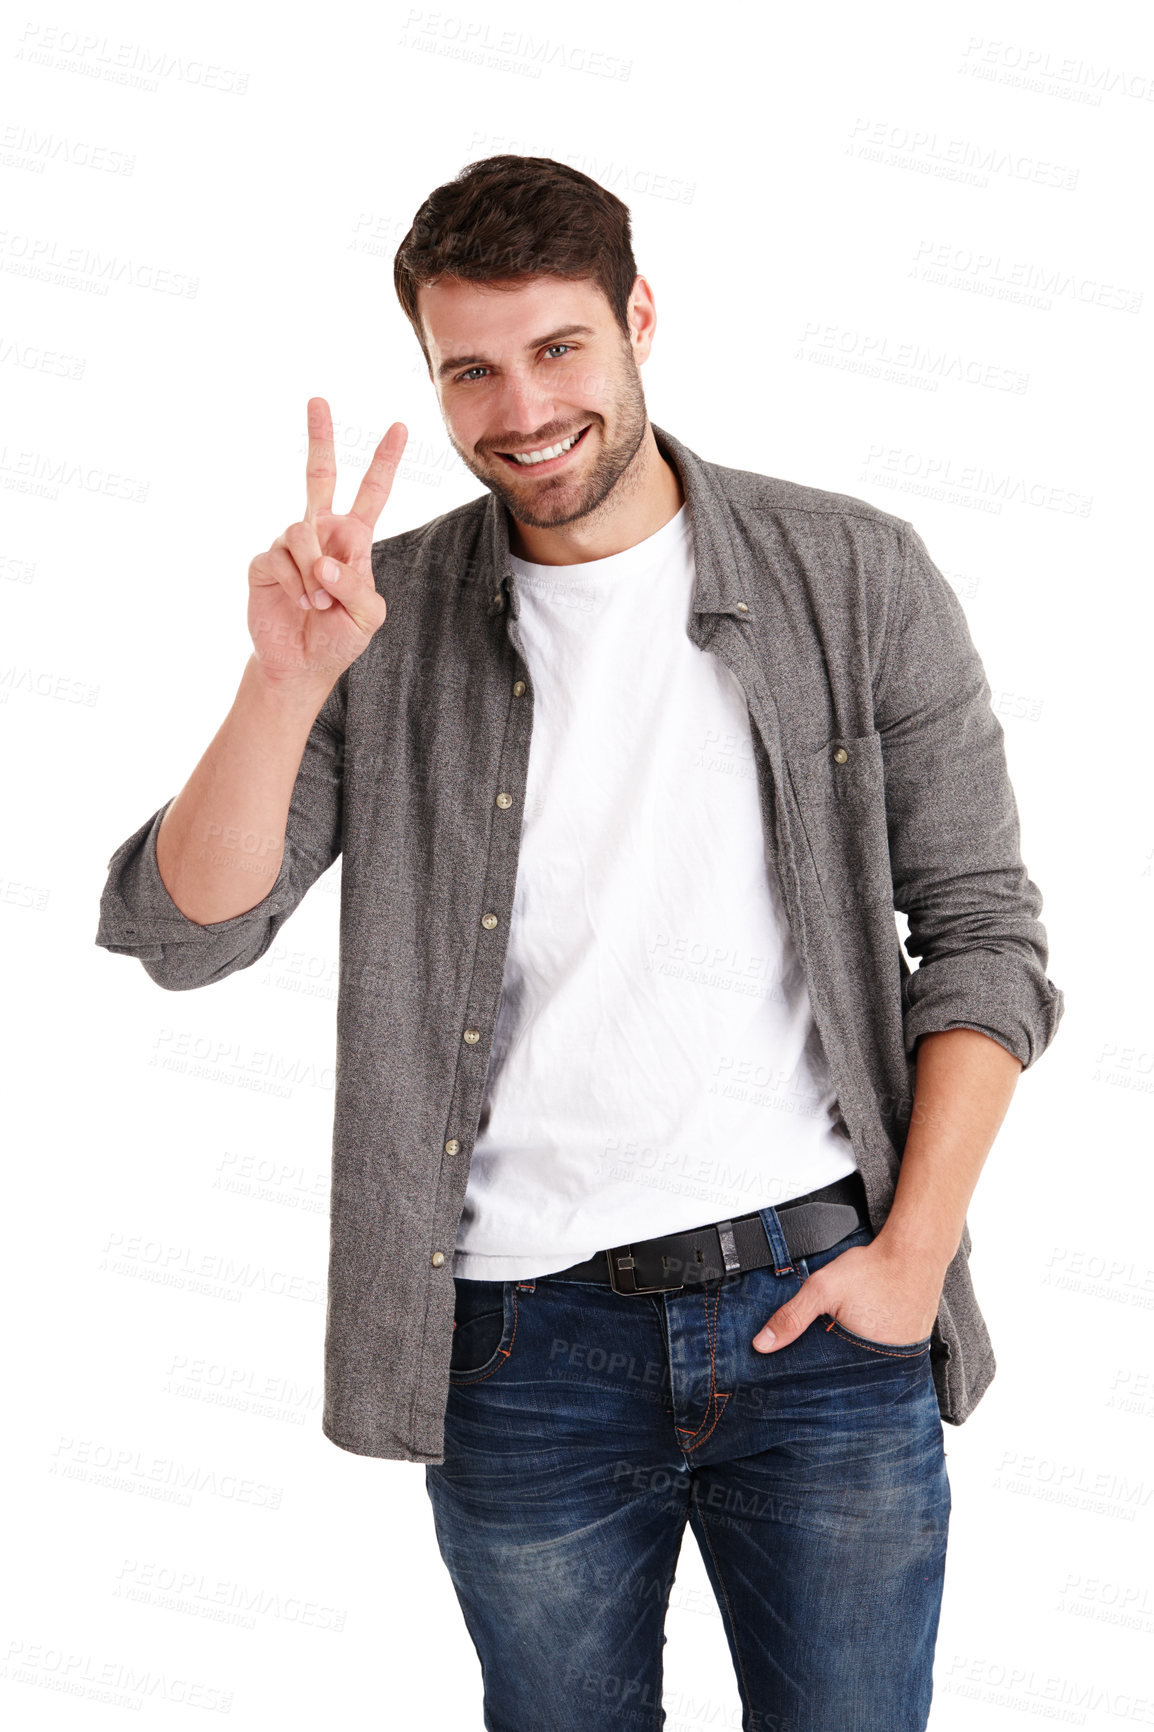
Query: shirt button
point(488, 921)
point(841, 756)
point(452, 1147)
point(744, 606)
point(472, 1036)
point(504, 800)
point(519, 688)
point(437, 1259)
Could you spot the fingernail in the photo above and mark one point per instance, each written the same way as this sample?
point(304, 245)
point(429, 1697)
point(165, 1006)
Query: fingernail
point(321, 600)
point(332, 570)
point(305, 602)
point(764, 1341)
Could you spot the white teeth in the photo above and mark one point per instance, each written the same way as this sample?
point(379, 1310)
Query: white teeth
point(548, 452)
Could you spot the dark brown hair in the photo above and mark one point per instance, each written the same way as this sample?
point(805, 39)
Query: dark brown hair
point(508, 217)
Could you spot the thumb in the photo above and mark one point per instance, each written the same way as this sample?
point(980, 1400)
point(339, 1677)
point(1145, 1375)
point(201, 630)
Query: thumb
point(356, 592)
point(790, 1320)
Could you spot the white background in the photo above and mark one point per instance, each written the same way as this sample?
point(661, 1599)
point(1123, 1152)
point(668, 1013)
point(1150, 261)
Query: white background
point(862, 227)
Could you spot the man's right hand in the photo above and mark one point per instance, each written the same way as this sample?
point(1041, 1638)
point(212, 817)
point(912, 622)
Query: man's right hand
point(308, 626)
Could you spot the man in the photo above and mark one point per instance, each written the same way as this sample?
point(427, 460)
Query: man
point(651, 1155)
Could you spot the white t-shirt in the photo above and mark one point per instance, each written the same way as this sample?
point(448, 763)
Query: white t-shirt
point(655, 1062)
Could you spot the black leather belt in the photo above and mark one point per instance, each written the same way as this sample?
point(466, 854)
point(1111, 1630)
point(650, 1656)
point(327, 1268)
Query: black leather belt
point(811, 1223)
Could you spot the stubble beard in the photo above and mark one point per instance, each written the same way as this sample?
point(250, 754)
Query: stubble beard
point(562, 501)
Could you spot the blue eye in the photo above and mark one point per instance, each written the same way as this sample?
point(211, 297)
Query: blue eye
point(463, 378)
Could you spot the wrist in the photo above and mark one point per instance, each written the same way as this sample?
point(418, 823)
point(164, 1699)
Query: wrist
point(931, 1255)
point(298, 693)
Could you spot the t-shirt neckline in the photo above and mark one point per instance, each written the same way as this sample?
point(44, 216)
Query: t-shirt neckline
point(641, 556)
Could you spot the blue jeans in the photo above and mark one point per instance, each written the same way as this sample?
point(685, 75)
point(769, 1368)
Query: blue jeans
point(584, 1428)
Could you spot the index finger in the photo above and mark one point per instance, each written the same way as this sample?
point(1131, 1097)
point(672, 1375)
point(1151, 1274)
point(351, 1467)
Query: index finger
point(374, 490)
point(321, 463)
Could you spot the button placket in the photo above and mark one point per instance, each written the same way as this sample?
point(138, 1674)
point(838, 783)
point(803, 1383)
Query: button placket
point(488, 921)
point(512, 763)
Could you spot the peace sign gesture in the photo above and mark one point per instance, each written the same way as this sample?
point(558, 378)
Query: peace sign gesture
point(313, 605)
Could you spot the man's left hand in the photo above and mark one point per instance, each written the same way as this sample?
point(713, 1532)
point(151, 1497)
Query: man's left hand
point(871, 1289)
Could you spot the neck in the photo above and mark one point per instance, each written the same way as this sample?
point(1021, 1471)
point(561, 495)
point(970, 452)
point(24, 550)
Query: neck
point(643, 501)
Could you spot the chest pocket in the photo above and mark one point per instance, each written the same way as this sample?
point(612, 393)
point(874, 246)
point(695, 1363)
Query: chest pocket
point(840, 792)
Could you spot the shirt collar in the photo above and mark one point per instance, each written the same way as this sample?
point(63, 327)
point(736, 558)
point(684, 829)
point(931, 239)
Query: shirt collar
point(718, 584)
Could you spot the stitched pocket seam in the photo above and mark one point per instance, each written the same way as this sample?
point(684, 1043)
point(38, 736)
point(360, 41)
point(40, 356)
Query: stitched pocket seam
point(461, 1378)
point(840, 891)
point(912, 1352)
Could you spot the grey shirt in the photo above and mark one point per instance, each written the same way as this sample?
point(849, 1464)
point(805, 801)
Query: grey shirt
point(883, 784)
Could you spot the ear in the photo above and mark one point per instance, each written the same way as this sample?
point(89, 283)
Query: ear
point(642, 318)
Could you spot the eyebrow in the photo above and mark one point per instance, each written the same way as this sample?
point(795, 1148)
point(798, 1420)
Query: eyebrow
point(537, 343)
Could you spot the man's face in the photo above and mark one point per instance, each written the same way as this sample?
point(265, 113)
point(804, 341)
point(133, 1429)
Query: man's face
point(524, 368)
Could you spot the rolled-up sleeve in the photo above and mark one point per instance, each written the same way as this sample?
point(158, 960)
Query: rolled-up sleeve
point(954, 833)
point(139, 918)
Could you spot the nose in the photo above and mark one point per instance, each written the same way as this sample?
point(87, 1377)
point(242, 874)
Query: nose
point(522, 408)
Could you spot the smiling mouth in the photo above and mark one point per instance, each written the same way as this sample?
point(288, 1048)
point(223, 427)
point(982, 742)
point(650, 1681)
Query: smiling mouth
point(535, 462)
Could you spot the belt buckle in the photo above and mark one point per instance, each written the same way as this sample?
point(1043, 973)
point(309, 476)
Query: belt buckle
point(625, 1252)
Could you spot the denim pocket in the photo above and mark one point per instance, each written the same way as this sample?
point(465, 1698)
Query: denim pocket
point(809, 1265)
point(485, 1321)
point(895, 1350)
